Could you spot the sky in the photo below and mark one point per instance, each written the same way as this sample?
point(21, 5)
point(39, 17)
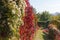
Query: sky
point(46, 5)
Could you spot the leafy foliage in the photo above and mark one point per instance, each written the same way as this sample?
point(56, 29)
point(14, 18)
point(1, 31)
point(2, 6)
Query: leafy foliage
point(10, 18)
point(45, 16)
point(27, 29)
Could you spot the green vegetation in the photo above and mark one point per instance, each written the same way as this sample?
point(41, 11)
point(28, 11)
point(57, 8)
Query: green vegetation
point(10, 18)
point(11, 15)
point(39, 35)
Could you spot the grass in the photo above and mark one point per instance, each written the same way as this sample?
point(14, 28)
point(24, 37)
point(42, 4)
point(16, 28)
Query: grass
point(39, 35)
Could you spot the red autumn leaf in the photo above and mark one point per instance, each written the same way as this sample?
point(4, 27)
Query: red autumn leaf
point(27, 30)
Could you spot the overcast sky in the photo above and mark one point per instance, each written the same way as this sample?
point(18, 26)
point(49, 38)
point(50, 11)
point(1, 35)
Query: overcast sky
point(49, 5)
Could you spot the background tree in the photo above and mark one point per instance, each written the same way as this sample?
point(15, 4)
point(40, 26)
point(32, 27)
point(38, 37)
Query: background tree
point(45, 16)
point(58, 16)
point(38, 16)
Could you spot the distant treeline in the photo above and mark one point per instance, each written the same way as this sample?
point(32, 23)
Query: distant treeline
point(46, 16)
